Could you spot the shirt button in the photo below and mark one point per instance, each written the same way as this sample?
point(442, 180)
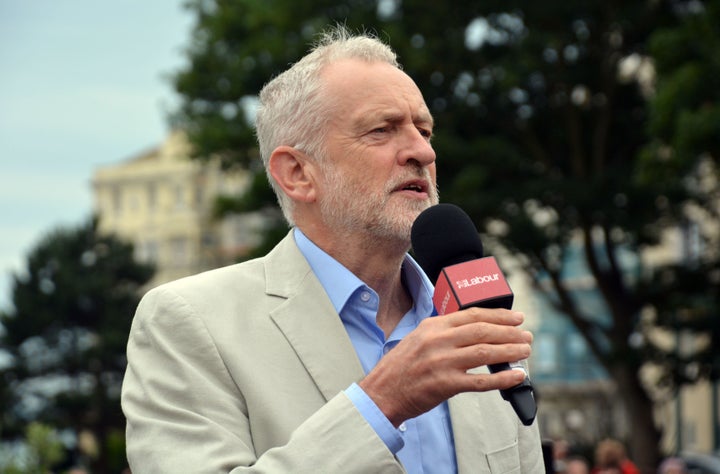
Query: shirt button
point(402, 428)
point(365, 296)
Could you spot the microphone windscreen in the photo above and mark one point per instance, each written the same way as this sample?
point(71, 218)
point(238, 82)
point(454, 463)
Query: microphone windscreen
point(444, 235)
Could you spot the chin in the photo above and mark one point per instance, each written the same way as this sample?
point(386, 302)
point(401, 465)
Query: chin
point(396, 227)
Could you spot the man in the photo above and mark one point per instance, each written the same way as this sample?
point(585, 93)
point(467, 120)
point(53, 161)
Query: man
point(321, 357)
point(610, 456)
point(672, 465)
point(576, 465)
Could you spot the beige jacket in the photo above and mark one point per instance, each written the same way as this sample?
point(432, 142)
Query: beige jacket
point(242, 369)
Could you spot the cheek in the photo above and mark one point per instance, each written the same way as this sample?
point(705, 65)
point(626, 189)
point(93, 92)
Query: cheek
point(432, 170)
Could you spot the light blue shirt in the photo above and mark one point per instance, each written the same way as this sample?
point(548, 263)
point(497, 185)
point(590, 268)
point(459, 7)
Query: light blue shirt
point(424, 444)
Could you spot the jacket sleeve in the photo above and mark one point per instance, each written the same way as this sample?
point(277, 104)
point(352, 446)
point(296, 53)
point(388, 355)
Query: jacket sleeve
point(185, 413)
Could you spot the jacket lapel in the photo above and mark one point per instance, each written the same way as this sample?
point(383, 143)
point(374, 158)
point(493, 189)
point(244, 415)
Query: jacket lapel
point(309, 321)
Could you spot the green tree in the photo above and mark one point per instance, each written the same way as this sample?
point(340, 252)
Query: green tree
point(542, 136)
point(684, 140)
point(65, 337)
point(44, 451)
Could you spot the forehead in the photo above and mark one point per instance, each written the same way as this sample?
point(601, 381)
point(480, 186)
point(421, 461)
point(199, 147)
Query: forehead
point(359, 89)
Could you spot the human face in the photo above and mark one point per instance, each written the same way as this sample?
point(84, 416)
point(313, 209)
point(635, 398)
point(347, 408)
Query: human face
point(379, 169)
point(576, 467)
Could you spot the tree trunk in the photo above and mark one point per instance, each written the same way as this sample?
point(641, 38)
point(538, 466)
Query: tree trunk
point(644, 441)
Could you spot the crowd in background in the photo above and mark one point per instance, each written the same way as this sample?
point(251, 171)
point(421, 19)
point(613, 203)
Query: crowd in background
point(609, 457)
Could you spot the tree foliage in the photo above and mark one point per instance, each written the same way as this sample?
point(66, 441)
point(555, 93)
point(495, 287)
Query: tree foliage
point(547, 134)
point(44, 450)
point(684, 141)
point(65, 337)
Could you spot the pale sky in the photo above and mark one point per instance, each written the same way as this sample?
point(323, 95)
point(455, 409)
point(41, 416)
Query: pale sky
point(82, 83)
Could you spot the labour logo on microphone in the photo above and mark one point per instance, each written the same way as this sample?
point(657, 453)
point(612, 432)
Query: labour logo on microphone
point(477, 282)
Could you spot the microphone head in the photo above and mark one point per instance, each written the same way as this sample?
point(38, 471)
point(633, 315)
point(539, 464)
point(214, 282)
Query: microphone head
point(444, 235)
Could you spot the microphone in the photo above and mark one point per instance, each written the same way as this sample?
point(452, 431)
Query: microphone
point(447, 247)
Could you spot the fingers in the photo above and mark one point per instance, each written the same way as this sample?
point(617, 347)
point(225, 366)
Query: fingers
point(482, 325)
point(499, 381)
point(476, 355)
point(487, 333)
point(432, 363)
point(499, 316)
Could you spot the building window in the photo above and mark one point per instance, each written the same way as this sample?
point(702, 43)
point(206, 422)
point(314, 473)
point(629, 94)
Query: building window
point(179, 251)
point(152, 196)
point(147, 251)
point(179, 197)
point(134, 201)
point(576, 346)
point(199, 195)
point(545, 354)
point(117, 200)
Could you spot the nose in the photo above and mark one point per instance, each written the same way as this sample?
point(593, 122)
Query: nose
point(416, 147)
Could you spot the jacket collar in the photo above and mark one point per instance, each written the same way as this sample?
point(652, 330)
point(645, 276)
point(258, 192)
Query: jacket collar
point(309, 321)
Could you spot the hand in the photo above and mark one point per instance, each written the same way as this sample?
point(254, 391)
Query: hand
point(430, 364)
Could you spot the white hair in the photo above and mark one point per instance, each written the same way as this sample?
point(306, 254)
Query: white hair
point(292, 109)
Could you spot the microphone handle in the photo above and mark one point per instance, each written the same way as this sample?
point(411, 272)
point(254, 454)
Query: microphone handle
point(520, 396)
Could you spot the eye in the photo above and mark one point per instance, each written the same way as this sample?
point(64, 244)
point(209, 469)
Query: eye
point(425, 132)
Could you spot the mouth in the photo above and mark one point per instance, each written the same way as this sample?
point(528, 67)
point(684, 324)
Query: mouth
point(416, 186)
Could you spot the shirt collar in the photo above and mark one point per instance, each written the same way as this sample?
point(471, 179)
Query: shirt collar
point(340, 283)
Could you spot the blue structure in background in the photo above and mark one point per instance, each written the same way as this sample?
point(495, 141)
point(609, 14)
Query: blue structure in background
point(560, 352)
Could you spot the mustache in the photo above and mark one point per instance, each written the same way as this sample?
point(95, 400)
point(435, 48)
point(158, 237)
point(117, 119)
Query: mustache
point(417, 172)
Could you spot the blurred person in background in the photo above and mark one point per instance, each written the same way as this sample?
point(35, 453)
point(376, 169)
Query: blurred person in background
point(560, 449)
point(610, 456)
point(672, 466)
point(576, 465)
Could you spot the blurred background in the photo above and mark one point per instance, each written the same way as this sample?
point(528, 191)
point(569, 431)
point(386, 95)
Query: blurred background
point(582, 139)
point(82, 84)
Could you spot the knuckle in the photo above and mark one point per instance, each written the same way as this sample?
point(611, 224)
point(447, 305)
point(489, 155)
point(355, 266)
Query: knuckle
point(482, 353)
point(481, 383)
point(480, 331)
point(475, 312)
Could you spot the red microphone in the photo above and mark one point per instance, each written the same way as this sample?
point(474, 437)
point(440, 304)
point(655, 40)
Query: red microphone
point(447, 247)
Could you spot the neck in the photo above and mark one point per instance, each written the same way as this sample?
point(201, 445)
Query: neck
point(376, 262)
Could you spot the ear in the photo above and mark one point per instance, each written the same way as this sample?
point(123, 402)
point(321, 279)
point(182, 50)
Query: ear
point(293, 171)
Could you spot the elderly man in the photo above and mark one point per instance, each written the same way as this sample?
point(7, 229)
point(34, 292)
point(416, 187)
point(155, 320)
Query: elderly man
point(322, 357)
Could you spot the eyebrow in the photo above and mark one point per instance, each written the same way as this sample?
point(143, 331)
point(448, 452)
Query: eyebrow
point(389, 116)
point(424, 117)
